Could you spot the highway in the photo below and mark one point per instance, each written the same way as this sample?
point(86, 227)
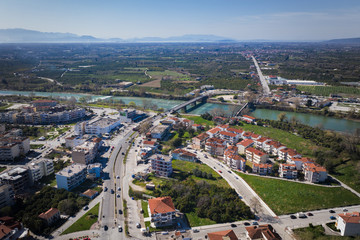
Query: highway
point(266, 89)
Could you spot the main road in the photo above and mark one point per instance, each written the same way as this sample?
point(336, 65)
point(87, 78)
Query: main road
point(264, 83)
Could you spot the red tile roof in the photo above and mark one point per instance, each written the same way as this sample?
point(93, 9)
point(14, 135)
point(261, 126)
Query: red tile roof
point(353, 217)
point(247, 134)
point(202, 136)
point(161, 205)
point(149, 143)
point(245, 142)
point(229, 134)
point(184, 152)
point(219, 235)
point(250, 117)
point(90, 193)
point(49, 213)
point(214, 130)
point(262, 232)
point(4, 230)
point(313, 167)
point(235, 130)
point(262, 165)
point(255, 151)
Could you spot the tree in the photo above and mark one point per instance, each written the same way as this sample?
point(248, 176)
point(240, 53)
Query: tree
point(132, 104)
point(68, 207)
point(176, 142)
point(281, 117)
point(308, 103)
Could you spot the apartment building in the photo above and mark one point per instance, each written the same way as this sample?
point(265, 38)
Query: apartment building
point(288, 154)
point(71, 176)
point(288, 171)
point(255, 155)
point(236, 131)
point(40, 169)
point(199, 141)
point(348, 224)
point(244, 144)
point(85, 153)
point(17, 178)
point(229, 137)
point(233, 159)
point(161, 165)
point(262, 168)
point(214, 132)
point(215, 146)
point(12, 145)
point(6, 195)
point(163, 212)
point(300, 161)
point(260, 142)
point(314, 173)
point(248, 119)
point(247, 135)
point(184, 155)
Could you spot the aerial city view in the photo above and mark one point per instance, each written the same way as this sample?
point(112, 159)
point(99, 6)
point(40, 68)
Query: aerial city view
point(164, 120)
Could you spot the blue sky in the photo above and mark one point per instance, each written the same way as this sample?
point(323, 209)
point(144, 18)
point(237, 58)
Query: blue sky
point(238, 19)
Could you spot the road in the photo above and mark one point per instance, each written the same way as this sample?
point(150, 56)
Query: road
point(264, 83)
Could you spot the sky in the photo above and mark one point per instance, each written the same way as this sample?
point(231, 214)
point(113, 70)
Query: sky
point(298, 20)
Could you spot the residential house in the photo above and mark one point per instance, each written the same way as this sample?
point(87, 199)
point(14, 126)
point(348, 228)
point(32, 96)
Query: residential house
point(90, 194)
point(244, 144)
point(314, 173)
point(184, 155)
point(229, 137)
point(276, 147)
point(299, 162)
point(151, 144)
point(255, 155)
point(50, 216)
point(40, 168)
point(160, 131)
point(238, 132)
point(196, 127)
point(348, 224)
point(247, 135)
point(262, 168)
point(288, 154)
point(248, 119)
point(222, 235)
point(162, 212)
point(214, 132)
point(161, 165)
point(266, 232)
point(199, 141)
point(260, 142)
point(255, 136)
point(288, 171)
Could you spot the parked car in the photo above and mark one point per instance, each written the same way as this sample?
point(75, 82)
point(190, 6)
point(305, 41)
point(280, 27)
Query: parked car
point(105, 227)
point(255, 223)
point(138, 225)
point(345, 210)
point(332, 218)
point(118, 188)
point(233, 225)
point(120, 228)
point(246, 223)
point(292, 216)
point(195, 230)
point(120, 211)
point(105, 189)
point(331, 211)
point(86, 208)
point(220, 171)
point(310, 214)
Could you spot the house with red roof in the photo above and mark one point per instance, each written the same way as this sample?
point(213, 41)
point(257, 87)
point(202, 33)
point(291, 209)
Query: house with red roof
point(151, 144)
point(348, 224)
point(255, 136)
point(90, 193)
point(184, 155)
point(260, 142)
point(288, 171)
point(246, 135)
point(214, 132)
point(265, 231)
point(248, 119)
point(262, 168)
point(229, 137)
point(244, 144)
point(162, 211)
point(276, 147)
point(256, 156)
point(222, 235)
point(238, 132)
point(299, 162)
point(314, 173)
point(196, 127)
point(50, 216)
point(288, 154)
point(199, 141)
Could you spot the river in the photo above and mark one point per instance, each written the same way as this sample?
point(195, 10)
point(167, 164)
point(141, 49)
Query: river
point(341, 125)
point(336, 124)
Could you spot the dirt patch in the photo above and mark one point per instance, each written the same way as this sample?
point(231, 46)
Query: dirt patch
point(155, 84)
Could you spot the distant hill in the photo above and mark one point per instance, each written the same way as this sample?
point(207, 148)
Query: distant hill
point(19, 35)
point(345, 41)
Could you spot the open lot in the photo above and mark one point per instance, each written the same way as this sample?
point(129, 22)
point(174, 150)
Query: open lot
point(285, 197)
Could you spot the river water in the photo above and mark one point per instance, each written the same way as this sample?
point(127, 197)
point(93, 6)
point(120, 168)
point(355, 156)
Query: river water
point(341, 125)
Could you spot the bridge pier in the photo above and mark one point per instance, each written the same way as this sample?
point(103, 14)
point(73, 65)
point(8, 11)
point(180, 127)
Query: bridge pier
point(183, 109)
point(194, 104)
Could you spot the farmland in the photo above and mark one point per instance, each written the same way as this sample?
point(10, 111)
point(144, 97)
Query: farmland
point(327, 90)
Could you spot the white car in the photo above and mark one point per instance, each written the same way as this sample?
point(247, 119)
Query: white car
point(117, 176)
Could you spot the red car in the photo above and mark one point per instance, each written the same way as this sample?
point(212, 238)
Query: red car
point(220, 171)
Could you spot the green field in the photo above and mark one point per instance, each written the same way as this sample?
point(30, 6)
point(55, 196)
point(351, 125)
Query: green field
point(85, 222)
point(199, 120)
point(327, 90)
point(180, 167)
point(196, 221)
point(317, 233)
point(2, 169)
point(348, 174)
point(285, 197)
point(36, 146)
point(175, 75)
point(303, 146)
point(144, 206)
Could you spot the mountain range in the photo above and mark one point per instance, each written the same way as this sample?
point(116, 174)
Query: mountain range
point(18, 35)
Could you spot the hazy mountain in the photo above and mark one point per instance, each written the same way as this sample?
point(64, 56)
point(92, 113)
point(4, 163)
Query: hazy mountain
point(345, 41)
point(30, 36)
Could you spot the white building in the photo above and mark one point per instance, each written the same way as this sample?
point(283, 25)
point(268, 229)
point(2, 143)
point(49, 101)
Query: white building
point(127, 115)
point(40, 169)
point(288, 171)
point(100, 126)
point(163, 212)
point(348, 224)
point(160, 131)
point(85, 153)
point(71, 176)
point(314, 173)
point(6, 195)
point(161, 165)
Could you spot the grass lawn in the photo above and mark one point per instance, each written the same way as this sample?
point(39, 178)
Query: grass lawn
point(36, 146)
point(317, 233)
point(196, 221)
point(144, 206)
point(199, 120)
point(180, 167)
point(51, 179)
point(85, 222)
point(303, 146)
point(348, 174)
point(2, 169)
point(285, 197)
